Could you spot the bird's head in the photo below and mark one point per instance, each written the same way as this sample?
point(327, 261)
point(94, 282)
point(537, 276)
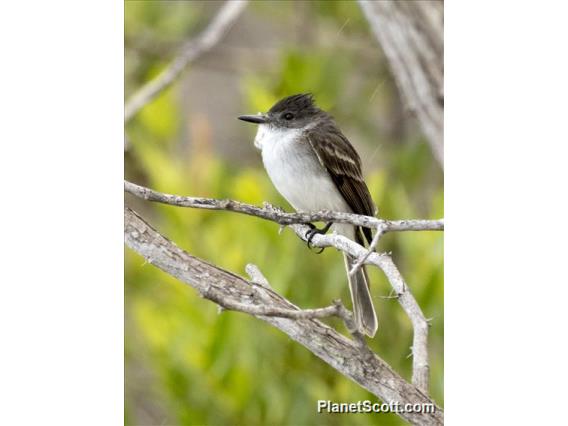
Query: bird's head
point(292, 112)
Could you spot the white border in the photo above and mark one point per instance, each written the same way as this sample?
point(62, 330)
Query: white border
point(506, 200)
point(61, 139)
point(61, 167)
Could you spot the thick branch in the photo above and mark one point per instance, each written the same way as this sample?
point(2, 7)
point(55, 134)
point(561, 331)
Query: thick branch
point(411, 36)
point(218, 27)
point(347, 357)
point(278, 216)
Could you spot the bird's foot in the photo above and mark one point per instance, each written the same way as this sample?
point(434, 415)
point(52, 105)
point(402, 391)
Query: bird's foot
point(313, 231)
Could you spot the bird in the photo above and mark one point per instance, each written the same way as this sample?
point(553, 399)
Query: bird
point(314, 167)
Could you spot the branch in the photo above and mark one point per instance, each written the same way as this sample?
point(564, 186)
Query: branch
point(411, 36)
point(343, 354)
point(372, 247)
point(218, 27)
point(337, 309)
point(365, 256)
point(420, 365)
point(276, 215)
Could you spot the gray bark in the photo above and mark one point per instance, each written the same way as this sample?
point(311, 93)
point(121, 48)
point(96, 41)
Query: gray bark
point(269, 212)
point(420, 364)
point(350, 358)
point(411, 34)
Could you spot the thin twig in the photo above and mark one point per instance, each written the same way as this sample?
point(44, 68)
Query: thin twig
point(277, 215)
point(372, 247)
point(256, 276)
point(337, 309)
point(214, 32)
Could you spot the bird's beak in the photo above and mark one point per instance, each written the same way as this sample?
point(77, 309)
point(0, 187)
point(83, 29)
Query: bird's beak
point(257, 119)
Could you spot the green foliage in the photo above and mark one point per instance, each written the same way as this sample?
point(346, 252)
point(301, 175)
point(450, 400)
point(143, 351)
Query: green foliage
point(188, 364)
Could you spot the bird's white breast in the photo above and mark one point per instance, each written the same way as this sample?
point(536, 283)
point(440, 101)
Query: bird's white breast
point(296, 171)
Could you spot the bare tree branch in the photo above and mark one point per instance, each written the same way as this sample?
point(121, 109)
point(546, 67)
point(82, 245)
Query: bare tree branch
point(347, 357)
point(218, 27)
point(276, 215)
point(411, 36)
point(337, 309)
point(372, 247)
point(364, 256)
point(420, 365)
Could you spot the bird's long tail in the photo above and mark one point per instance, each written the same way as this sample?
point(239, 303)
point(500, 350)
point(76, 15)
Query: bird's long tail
point(363, 309)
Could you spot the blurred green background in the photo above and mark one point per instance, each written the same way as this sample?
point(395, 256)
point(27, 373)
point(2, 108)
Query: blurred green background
point(187, 364)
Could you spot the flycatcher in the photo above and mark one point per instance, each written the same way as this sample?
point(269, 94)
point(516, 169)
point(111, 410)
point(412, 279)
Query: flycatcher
point(313, 165)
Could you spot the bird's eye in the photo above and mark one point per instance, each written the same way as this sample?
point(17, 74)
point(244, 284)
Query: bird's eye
point(288, 116)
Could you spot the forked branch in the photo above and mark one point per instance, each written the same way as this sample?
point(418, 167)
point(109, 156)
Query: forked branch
point(346, 356)
point(420, 375)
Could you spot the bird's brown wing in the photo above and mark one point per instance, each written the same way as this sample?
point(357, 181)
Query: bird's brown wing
point(338, 156)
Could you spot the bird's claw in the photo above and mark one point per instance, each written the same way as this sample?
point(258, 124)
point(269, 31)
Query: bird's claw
point(312, 232)
point(310, 236)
